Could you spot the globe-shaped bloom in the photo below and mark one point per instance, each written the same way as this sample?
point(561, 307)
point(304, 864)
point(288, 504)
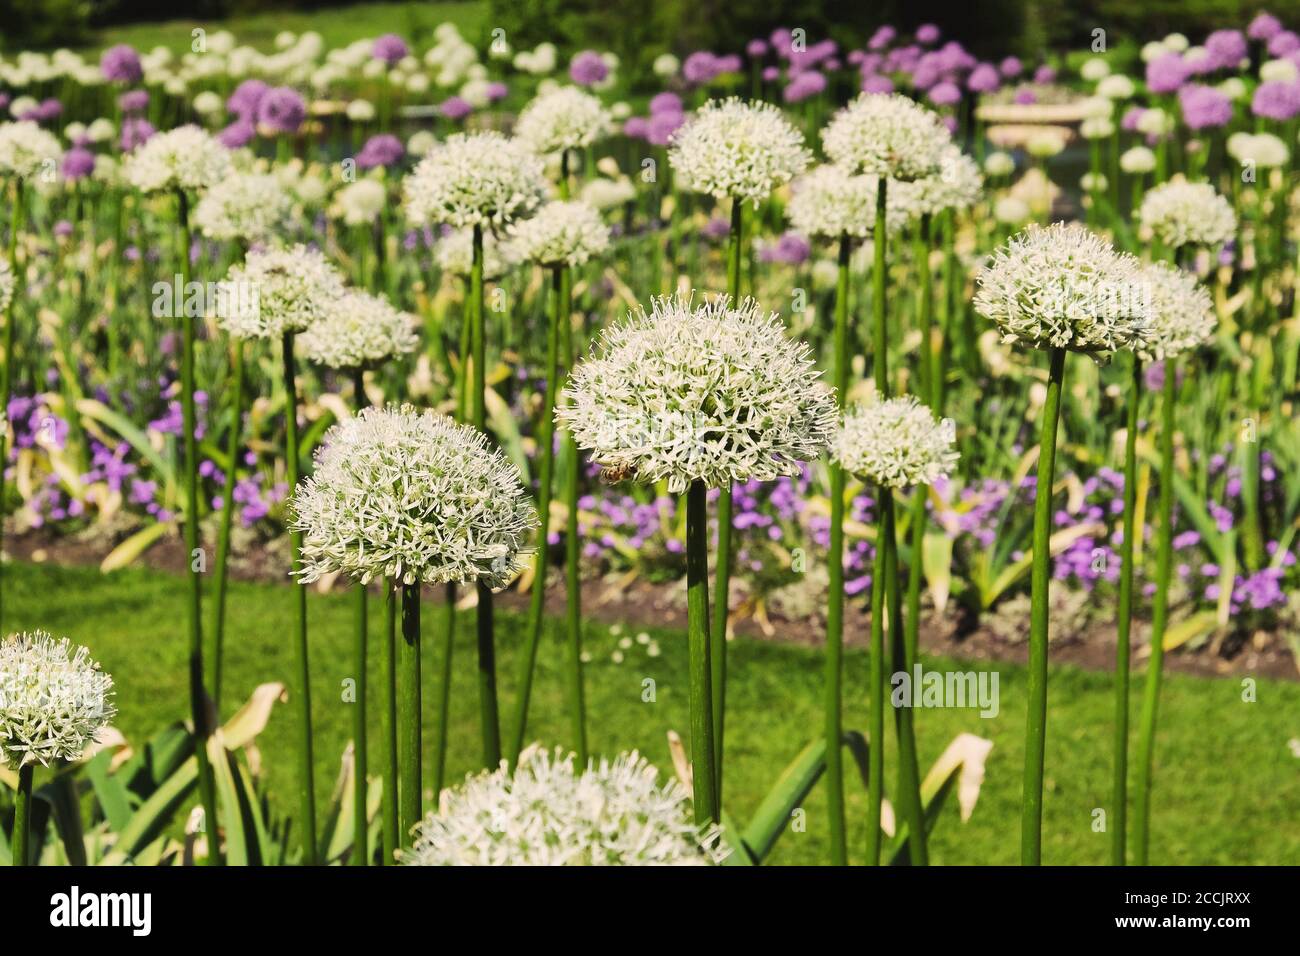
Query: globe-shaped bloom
point(281, 110)
point(887, 135)
point(121, 64)
point(739, 150)
point(1263, 149)
point(549, 813)
point(1182, 312)
point(563, 118)
point(957, 185)
point(359, 330)
point(413, 496)
point(26, 150)
point(896, 443)
point(382, 149)
point(480, 179)
point(455, 254)
point(561, 234)
point(360, 202)
point(289, 290)
point(247, 206)
point(54, 700)
point(1065, 287)
point(831, 203)
point(713, 393)
point(182, 158)
point(1181, 213)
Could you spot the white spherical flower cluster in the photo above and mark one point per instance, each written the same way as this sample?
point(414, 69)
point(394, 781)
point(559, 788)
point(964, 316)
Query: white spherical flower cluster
point(247, 206)
point(455, 254)
point(1065, 287)
point(412, 496)
point(53, 700)
point(26, 149)
point(957, 185)
point(1263, 149)
point(1180, 213)
point(359, 203)
point(896, 443)
point(1137, 160)
point(291, 288)
point(6, 288)
point(182, 158)
point(831, 203)
point(561, 234)
point(359, 330)
point(738, 150)
point(1182, 312)
point(482, 179)
point(714, 393)
point(547, 813)
point(565, 117)
point(887, 134)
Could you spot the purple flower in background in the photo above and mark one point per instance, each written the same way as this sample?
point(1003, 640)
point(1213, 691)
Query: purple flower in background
point(700, 67)
point(666, 103)
point(44, 111)
point(882, 38)
point(282, 109)
point(1204, 107)
point(803, 86)
point(383, 149)
point(716, 228)
point(1265, 26)
point(455, 108)
point(792, 249)
point(588, 68)
point(1132, 116)
point(390, 48)
point(1045, 74)
point(135, 131)
point(1284, 43)
point(983, 79)
point(1226, 49)
point(1276, 99)
point(62, 229)
point(1011, 67)
point(636, 127)
point(1025, 96)
point(662, 127)
point(246, 99)
point(944, 94)
point(78, 163)
point(134, 101)
point(238, 134)
point(771, 74)
point(756, 48)
point(121, 64)
point(877, 83)
point(1166, 73)
point(927, 33)
point(496, 92)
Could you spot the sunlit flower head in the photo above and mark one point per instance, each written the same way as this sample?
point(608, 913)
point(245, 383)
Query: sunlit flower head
point(455, 254)
point(1182, 312)
point(479, 179)
point(360, 202)
point(293, 287)
point(561, 233)
point(182, 158)
point(1181, 213)
point(886, 134)
point(247, 206)
point(27, 150)
point(957, 185)
point(831, 203)
point(359, 330)
point(563, 118)
point(896, 443)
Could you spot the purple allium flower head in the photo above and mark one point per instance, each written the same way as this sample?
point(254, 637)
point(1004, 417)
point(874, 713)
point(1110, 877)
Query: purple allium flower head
point(78, 163)
point(238, 134)
point(771, 74)
point(1045, 74)
point(877, 83)
point(62, 229)
point(1204, 106)
point(944, 94)
point(497, 91)
point(728, 63)
point(663, 126)
point(1011, 67)
point(983, 79)
point(666, 102)
point(1025, 96)
point(588, 68)
point(927, 33)
point(700, 67)
point(792, 249)
point(756, 48)
point(803, 86)
point(782, 41)
point(4, 101)
point(134, 101)
point(1265, 26)
point(636, 127)
point(390, 48)
point(882, 38)
point(1132, 116)
point(1226, 49)
point(383, 149)
point(455, 108)
point(121, 64)
point(1166, 73)
point(1276, 99)
point(135, 131)
point(246, 99)
point(1284, 43)
point(282, 109)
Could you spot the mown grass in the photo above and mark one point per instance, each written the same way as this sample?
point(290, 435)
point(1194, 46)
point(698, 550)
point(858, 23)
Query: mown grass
point(1227, 782)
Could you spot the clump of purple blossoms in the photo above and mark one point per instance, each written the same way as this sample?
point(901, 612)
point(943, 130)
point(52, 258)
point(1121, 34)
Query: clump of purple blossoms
point(455, 108)
point(238, 134)
point(383, 149)
point(135, 131)
point(1284, 43)
point(804, 86)
point(1276, 99)
point(983, 79)
point(246, 99)
point(1226, 49)
point(78, 163)
point(1265, 26)
point(791, 249)
point(588, 68)
point(282, 110)
point(134, 101)
point(1204, 107)
point(1167, 73)
point(121, 64)
point(390, 48)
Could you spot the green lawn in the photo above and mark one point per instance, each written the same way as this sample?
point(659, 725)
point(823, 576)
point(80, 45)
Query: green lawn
point(337, 25)
point(1228, 786)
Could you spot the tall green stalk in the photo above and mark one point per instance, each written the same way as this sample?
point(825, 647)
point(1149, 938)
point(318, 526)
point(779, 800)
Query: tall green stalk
point(388, 724)
point(1031, 818)
point(876, 717)
point(447, 641)
point(834, 706)
point(703, 775)
point(546, 468)
point(1159, 619)
point(909, 777)
point(21, 840)
point(216, 636)
point(572, 575)
point(360, 854)
point(1119, 794)
point(302, 667)
point(409, 716)
point(7, 371)
point(200, 708)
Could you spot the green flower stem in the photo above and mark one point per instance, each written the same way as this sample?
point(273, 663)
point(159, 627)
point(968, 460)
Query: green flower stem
point(909, 776)
point(487, 668)
point(408, 714)
point(876, 718)
point(1031, 818)
point(703, 776)
point(1119, 797)
point(572, 577)
point(462, 386)
point(302, 668)
point(447, 640)
point(360, 854)
point(950, 268)
point(388, 723)
point(546, 467)
point(21, 842)
point(200, 706)
point(880, 241)
point(1159, 618)
point(835, 599)
point(925, 311)
point(7, 372)
point(216, 635)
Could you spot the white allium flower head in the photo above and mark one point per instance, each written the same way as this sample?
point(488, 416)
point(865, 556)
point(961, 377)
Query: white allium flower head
point(479, 179)
point(26, 150)
point(831, 203)
point(896, 443)
point(247, 206)
point(182, 158)
point(714, 393)
point(6, 287)
point(1064, 286)
point(737, 149)
point(1182, 312)
point(1263, 149)
point(1181, 213)
point(360, 203)
point(1137, 160)
point(359, 330)
point(561, 118)
point(568, 233)
point(54, 700)
point(413, 496)
point(455, 254)
point(547, 813)
point(957, 185)
point(886, 134)
point(294, 288)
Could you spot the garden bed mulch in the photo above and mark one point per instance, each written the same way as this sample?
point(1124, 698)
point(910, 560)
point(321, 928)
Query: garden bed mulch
point(643, 603)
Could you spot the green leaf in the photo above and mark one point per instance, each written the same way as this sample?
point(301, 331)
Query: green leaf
point(773, 814)
point(132, 547)
point(131, 434)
